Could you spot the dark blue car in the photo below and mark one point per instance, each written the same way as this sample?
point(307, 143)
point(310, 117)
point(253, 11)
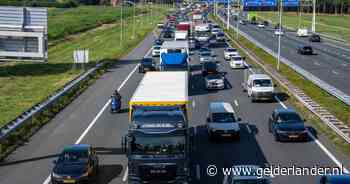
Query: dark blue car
point(76, 163)
point(287, 125)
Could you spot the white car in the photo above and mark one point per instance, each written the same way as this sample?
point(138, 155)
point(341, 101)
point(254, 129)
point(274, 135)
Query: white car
point(237, 62)
point(215, 31)
point(278, 32)
point(156, 51)
point(229, 52)
point(261, 25)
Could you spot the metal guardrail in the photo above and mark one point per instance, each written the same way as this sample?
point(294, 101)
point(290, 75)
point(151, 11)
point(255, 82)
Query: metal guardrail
point(335, 124)
point(317, 81)
point(21, 120)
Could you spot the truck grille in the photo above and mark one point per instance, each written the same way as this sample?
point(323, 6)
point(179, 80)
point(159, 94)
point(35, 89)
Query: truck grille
point(159, 172)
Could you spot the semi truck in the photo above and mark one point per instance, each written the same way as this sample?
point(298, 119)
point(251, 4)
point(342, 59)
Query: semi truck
point(159, 141)
point(174, 56)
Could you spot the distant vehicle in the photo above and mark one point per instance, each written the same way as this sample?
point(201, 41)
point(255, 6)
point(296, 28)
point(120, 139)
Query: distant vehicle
point(259, 87)
point(214, 81)
point(305, 50)
point(261, 25)
point(160, 25)
point(315, 38)
point(266, 23)
point(158, 41)
point(168, 34)
point(278, 32)
point(205, 56)
point(277, 26)
point(222, 121)
point(243, 22)
point(237, 61)
point(212, 40)
point(302, 33)
point(76, 163)
point(192, 44)
point(244, 177)
point(209, 68)
point(286, 125)
point(215, 31)
point(146, 64)
point(335, 179)
point(229, 52)
point(220, 37)
point(156, 51)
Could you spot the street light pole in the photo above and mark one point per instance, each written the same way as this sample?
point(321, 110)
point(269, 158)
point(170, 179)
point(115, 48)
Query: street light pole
point(279, 37)
point(314, 17)
point(121, 24)
point(237, 21)
point(134, 22)
point(228, 15)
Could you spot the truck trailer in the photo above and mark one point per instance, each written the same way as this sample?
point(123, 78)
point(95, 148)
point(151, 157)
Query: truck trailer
point(174, 56)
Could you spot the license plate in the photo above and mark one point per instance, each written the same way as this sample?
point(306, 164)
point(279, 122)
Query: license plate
point(226, 135)
point(68, 181)
point(293, 136)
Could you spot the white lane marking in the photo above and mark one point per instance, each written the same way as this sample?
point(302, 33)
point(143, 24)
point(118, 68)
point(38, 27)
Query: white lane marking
point(281, 103)
point(126, 173)
point(317, 63)
point(236, 103)
point(198, 172)
point(320, 145)
point(335, 72)
point(344, 64)
point(48, 179)
point(248, 129)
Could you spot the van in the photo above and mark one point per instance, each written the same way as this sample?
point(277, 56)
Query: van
point(260, 87)
point(302, 32)
point(222, 121)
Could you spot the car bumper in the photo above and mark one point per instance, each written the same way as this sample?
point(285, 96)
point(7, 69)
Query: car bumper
point(292, 136)
point(263, 96)
point(67, 181)
point(237, 66)
point(215, 86)
point(224, 133)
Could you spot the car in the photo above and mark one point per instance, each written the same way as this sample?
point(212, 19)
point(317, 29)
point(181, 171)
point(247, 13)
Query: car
point(215, 31)
point(237, 61)
point(229, 52)
point(315, 38)
point(277, 26)
point(168, 34)
point(222, 121)
point(261, 25)
point(335, 179)
point(266, 23)
point(278, 32)
point(75, 164)
point(160, 25)
point(287, 125)
point(220, 37)
point(302, 32)
point(146, 64)
point(192, 44)
point(205, 56)
point(212, 40)
point(247, 174)
point(242, 22)
point(305, 50)
point(214, 81)
point(158, 41)
point(156, 50)
point(209, 68)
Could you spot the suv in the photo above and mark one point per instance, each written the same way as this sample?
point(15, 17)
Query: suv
point(222, 121)
point(146, 64)
point(315, 38)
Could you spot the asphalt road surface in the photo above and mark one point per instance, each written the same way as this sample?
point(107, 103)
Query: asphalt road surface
point(88, 120)
point(330, 63)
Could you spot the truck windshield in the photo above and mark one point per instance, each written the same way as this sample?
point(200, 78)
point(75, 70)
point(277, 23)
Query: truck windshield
point(223, 117)
point(262, 83)
point(203, 34)
point(149, 116)
point(159, 145)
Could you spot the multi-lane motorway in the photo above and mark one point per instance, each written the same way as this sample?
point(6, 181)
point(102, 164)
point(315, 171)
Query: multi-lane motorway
point(88, 120)
point(331, 63)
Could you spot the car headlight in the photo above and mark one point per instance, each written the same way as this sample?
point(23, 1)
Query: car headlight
point(281, 132)
point(54, 175)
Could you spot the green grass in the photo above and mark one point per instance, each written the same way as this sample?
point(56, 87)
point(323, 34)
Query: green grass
point(63, 22)
point(339, 109)
point(334, 25)
point(24, 84)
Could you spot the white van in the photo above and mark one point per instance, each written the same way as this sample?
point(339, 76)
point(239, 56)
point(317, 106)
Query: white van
point(260, 87)
point(302, 32)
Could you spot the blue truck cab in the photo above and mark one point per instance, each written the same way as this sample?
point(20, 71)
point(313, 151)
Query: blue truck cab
point(174, 56)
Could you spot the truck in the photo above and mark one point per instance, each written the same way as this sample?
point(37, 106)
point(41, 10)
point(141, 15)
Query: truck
point(159, 141)
point(174, 56)
point(181, 35)
point(184, 26)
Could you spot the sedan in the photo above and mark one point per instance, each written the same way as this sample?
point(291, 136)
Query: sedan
point(229, 52)
point(287, 125)
point(156, 51)
point(75, 164)
point(147, 64)
point(237, 62)
point(158, 42)
point(278, 32)
point(305, 50)
point(315, 38)
point(214, 81)
point(261, 25)
point(209, 68)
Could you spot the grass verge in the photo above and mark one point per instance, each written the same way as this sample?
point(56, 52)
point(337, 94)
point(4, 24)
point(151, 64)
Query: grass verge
point(338, 108)
point(24, 84)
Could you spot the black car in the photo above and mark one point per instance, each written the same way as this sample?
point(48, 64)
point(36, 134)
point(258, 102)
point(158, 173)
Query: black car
point(147, 64)
point(168, 34)
point(335, 179)
point(76, 163)
point(305, 50)
point(286, 124)
point(209, 68)
point(158, 41)
point(315, 38)
point(266, 23)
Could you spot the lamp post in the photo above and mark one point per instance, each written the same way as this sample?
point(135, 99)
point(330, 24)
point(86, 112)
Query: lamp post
point(237, 22)
point(314, 17)
point(228, 15)
point(279, 36)
point(121, 24)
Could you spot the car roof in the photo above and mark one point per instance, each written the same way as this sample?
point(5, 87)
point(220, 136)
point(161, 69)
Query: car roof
point(283, 110)
point(77, 147)
point(259, 76)
point(219, 107)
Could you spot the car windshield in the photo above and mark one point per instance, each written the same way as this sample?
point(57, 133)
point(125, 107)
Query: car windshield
point(223, 117)
point(213, 76)
point(262, 83)
point(156, 48)
point(147, 61)
point(73, 156)
point(237, 58)
point(203, 34)
point(158, 145)
point(153, 116)
point(231, 50)
point(205, 53)
point(288, 117)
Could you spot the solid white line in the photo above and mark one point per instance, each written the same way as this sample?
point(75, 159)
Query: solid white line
point(48, 179)
point(198, 172)
point(281, 103)
point(236, 103)
point(125, 176)
point(248, 128)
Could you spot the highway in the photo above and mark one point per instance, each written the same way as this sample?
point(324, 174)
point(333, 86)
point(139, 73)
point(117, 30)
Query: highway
point(330, 63)
point(88, 120)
